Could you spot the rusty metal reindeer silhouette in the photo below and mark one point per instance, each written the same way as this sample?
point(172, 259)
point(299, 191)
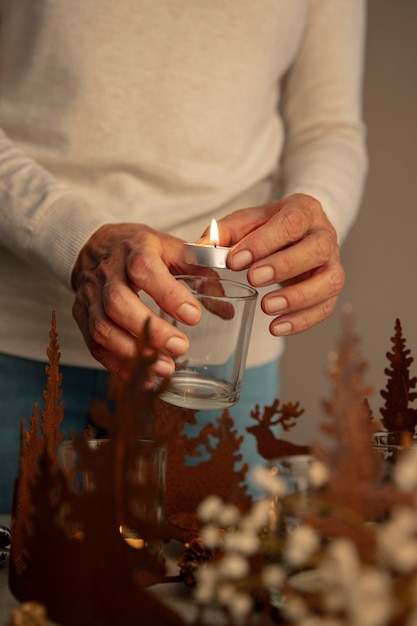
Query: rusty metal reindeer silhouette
point(268, 444)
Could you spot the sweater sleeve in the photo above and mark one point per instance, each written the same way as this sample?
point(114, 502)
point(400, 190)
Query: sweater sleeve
point(42, 220)
point(325, 154)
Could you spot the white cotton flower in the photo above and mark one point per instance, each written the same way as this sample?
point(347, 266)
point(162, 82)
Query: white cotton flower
point(335, 597)
point(405, 471)
point(318, 474)
point(210, 508)
point(229, 516)
point(272, 484)
point(363, 593)
point(403, 557)
point(273, 576)
point(210, 536)
point(295, 608)
point(225, 593)
point(204, 594)
point(29, 613)
point(397, 540)
point(370, 600)
point(207, 578)
point(233, 566)
point(246, 542)
point(405, 520)
point(207, 574)
point(239, 604)
point(341, 562)
point(302, 542)
point(258, 516)
point(339, 571)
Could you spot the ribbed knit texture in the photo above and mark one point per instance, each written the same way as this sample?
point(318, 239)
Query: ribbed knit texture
point(167, 113)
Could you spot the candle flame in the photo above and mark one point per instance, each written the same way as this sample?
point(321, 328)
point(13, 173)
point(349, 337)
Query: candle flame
point(214, 233)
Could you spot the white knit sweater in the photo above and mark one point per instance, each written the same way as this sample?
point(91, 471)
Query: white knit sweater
point(165, 112)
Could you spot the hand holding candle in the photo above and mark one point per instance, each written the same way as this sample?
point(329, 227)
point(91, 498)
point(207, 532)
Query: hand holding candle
point(290, 247)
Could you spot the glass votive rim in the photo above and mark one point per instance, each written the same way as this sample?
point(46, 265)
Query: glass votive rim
point(392, 439)
point(248, 292)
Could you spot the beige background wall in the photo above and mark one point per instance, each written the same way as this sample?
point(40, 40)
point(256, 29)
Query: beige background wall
point(380, 253)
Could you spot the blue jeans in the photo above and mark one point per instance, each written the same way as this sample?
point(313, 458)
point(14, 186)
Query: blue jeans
point(23, 381)
point(260, 386)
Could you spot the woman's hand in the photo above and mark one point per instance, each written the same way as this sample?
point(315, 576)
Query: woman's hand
point(118, 262)
point(292, 243)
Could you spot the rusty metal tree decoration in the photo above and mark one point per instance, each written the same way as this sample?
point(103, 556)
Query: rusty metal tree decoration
point(67, 550)
point(270, 446)
point(397, 413)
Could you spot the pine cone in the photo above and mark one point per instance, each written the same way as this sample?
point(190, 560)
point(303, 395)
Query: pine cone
point(194, 555)
point(28, 614)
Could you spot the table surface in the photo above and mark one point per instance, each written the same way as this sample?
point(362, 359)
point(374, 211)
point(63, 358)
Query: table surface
point(176, 595)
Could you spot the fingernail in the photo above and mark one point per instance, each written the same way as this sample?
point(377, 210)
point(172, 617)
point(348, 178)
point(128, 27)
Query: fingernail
point(241, 259)
point(176, 345)
point(283, 328)
point(275, 305)
point(262, 275)
point(188, 313)
point(163, 368)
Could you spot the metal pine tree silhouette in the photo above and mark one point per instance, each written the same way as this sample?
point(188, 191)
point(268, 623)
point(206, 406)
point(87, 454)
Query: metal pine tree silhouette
point(397, 413)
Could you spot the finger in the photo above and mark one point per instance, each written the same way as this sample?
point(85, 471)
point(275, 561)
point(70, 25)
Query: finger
point(149, 272)
point(98, 330)
point(112, 362)
point(302, 320)
point(312, 252)
point(164, 366)
point(240, 223)
point(116, 357)
point(111, 343)
point(108, 328)
point(121, 366)
point(288, 225)
point(122, 308)
point(290, 221)
point(304, 303)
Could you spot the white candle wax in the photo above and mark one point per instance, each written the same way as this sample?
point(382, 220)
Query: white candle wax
point(206, 255)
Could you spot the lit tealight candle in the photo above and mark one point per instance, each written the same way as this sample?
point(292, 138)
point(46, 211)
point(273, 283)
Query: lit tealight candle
point(207, 254)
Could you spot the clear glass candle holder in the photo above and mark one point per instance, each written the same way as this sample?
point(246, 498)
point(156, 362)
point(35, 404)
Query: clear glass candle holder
point(209, 375)
point(89, 469)
point(389, 445)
